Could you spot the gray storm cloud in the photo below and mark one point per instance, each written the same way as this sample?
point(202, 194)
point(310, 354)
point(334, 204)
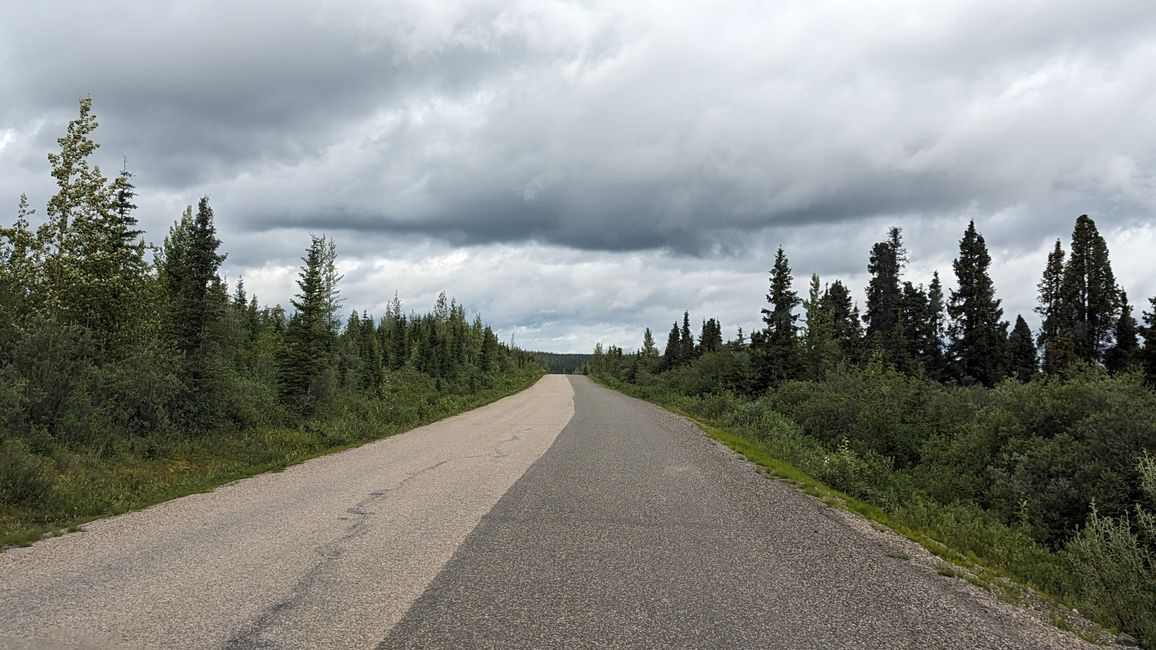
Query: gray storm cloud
point(681, 130)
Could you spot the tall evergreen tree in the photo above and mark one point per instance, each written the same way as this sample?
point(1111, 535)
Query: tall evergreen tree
point(688, 351)
point(672, 355)
point(330, 280)
point(1124, 354)
point(1090, 298)
point(780, 358)
point(819, 347)
point(978, 338)
point(1022, 351)
point(649, 349)
point(913, 327)
point(187, 270)
point(933, 354)
point(1050, 307)
point(488, 360)
point(845, 322)
point(884, 296)
point(1148, 352)
point(711, 339)
point(371, 359)
point(306, 362)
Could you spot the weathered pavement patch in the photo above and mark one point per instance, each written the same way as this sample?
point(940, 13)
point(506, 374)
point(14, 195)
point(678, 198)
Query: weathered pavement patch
point(328, 553)
point(636, 530)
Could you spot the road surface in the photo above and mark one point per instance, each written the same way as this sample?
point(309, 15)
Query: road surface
point(567, 515)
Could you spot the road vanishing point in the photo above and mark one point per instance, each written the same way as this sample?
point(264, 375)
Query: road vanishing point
point(567, 515)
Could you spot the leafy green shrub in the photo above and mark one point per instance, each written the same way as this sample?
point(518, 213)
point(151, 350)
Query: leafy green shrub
point(25, 479)
point(1115, 562)
point(845, 470)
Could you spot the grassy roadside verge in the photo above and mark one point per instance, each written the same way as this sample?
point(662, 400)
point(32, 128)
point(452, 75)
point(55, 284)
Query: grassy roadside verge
point(81, 485)
point(957, 539)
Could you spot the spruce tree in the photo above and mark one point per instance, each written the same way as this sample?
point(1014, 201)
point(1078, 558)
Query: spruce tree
point(306, 361)
point(649, 349)
point(978, 338)
point(488, 360)
point(1050, 307)
point(711, 338)
point(819, 347)
point(688, 351)
point(672, 355)
point(1147, 354)
point(913, 327)
point(1090, 299)
point(1124, 354)
point(933, 354)
point(845, 323)
point(884, 296)
point(780, 358)
point(1022, 351)
point(371, 359)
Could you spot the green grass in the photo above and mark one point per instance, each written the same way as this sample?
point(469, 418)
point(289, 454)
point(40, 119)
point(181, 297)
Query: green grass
point(88, 485)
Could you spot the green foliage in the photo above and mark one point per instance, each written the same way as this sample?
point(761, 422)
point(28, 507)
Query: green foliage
point(1115, 561)
point(978, 345)
point(307, 373)
point(565, 364)
point(1090, 299)
point(1050, 307)
point(1124, 355)
point(687, 348)
point(779, 353)
point(711, 339)
point(26, 479)
point(672, 353)
point(845, 322)
point(883, 297)
point(121, 384)
point(1022, 361)
point(1148, 354)
point(820, 349)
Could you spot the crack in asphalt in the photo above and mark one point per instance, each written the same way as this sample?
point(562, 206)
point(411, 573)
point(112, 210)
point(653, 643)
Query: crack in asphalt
point(251, 636)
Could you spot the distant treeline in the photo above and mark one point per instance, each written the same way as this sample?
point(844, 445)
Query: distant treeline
point(1035, 452)
point(111, 348)
point(562, 363)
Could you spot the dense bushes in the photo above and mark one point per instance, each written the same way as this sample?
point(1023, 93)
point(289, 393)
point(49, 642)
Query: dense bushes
point(1032, 453)
point(63, 484)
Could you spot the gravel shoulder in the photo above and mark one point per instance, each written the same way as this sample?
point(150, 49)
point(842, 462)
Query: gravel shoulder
point(328, 553)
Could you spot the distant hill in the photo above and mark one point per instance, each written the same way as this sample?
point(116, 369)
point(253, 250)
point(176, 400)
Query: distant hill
point(564, 364)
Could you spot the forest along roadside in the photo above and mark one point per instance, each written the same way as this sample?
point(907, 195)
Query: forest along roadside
point(635, 529)
point(329, 552)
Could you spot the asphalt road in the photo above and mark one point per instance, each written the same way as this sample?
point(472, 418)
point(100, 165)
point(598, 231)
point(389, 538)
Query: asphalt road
point(635, 530)
point(327, 554)
point(566, 516)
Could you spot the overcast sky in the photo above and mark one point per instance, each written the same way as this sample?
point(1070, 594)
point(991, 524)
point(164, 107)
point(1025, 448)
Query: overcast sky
point(576, 171)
